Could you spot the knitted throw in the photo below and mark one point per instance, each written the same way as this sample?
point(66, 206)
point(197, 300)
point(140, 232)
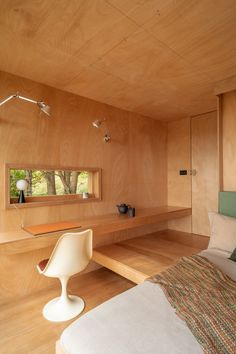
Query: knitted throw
point(205, 298)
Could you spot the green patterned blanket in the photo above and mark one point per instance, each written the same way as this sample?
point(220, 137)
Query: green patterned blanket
point(205, 298)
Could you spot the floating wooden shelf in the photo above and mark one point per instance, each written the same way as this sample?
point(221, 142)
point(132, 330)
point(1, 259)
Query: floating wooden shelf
point(47, 228)
point(45, 235)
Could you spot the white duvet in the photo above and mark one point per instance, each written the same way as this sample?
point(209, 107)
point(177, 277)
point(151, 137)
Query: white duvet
point(140, 320)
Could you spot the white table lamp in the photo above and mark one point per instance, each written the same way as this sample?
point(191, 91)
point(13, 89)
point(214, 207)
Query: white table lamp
point(21, 185)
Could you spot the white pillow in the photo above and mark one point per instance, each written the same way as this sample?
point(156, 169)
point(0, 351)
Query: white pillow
point(223, 232)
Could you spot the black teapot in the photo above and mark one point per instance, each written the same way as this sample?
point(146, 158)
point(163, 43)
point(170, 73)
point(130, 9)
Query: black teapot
point(122, 208)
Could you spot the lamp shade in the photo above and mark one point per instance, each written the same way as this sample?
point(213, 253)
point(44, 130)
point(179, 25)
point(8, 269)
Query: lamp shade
point(21, 184)
point(97, 123)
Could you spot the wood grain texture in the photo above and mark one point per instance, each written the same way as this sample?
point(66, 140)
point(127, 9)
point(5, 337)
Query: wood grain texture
point(205, 184)
point(142, 257)
point(226, 85)
point(68, 139)
point(228, 109)
point(26, 331)
point(179, 158)
point(135, 55)
point(46, 228)
point(101, 225)
point(129, 163)
point(183, 224)
point(20, 258)
point(22, 326)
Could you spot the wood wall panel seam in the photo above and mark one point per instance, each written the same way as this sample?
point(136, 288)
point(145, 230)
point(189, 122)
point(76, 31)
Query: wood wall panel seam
point(228, 109)
point(220, 134)
point(205, 182)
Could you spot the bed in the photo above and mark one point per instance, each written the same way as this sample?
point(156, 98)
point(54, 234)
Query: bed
point(142, 320)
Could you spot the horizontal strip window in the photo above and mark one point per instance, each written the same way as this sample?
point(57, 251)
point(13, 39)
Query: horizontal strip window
point(38, 186)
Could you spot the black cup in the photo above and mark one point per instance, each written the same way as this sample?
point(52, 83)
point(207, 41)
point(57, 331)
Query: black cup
point(131, 212)
point(123, 208)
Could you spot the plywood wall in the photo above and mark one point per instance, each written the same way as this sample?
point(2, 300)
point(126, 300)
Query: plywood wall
point(179, 157)
point(228, 116)
point(134, 165)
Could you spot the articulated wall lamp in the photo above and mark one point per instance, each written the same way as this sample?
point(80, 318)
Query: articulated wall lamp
point(97, 124)
point(43, 106)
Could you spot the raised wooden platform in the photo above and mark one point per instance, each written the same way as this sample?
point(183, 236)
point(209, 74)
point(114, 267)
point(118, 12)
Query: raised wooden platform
point(139, 258)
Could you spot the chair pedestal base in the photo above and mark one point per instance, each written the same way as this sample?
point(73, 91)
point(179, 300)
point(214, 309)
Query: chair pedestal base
point(63, 309)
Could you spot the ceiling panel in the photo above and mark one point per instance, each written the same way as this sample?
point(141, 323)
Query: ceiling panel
point(64, 25)
point(201, 32)
point(141, 58)
point(158, 58)
point(142, 11)
point(96, 84)
point(104, 41)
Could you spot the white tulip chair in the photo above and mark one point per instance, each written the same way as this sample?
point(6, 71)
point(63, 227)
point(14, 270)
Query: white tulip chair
point(71, 255)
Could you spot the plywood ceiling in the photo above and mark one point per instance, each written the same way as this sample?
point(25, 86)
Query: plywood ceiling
point(160, 58)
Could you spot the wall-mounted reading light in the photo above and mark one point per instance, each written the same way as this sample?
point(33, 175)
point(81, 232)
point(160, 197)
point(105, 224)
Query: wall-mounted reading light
point(107, 138)
point(97, 124)
point(43, 106)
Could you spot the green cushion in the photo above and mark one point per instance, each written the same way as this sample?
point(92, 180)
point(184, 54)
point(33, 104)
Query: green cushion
point(233, 256)
point(227, 203)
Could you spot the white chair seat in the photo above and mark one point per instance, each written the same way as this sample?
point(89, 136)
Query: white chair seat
point(71, 255)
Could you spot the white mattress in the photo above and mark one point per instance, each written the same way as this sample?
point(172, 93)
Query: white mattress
point(140, 320)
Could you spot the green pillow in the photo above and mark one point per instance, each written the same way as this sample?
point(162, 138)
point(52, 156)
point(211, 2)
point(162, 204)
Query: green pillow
point(233, 256)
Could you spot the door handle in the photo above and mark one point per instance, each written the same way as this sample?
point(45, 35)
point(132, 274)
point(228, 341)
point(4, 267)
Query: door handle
point(193, 172)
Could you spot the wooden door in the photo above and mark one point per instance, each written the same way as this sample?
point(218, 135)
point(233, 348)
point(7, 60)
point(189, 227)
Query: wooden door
point(204, 162)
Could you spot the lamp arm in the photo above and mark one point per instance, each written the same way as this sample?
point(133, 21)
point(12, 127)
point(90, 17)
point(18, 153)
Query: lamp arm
point(8, 99)
point(17, 96)
point(26, 99)
point(43, 106)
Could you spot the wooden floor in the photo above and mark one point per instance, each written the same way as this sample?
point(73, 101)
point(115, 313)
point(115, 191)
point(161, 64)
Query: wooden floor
point(139, 258)
point(23, 330)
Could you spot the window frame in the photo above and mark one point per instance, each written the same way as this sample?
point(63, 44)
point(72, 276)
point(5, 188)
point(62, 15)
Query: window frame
point(34, 201)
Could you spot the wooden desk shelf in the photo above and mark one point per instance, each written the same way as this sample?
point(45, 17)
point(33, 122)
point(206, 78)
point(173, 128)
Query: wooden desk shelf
point(37, 230)
point(22, 241)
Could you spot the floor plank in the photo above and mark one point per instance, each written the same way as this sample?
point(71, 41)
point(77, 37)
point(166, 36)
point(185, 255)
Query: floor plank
point(23, 330)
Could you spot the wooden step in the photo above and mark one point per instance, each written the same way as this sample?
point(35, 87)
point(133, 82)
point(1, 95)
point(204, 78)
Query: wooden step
point(139, 258)
point(129, 263)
